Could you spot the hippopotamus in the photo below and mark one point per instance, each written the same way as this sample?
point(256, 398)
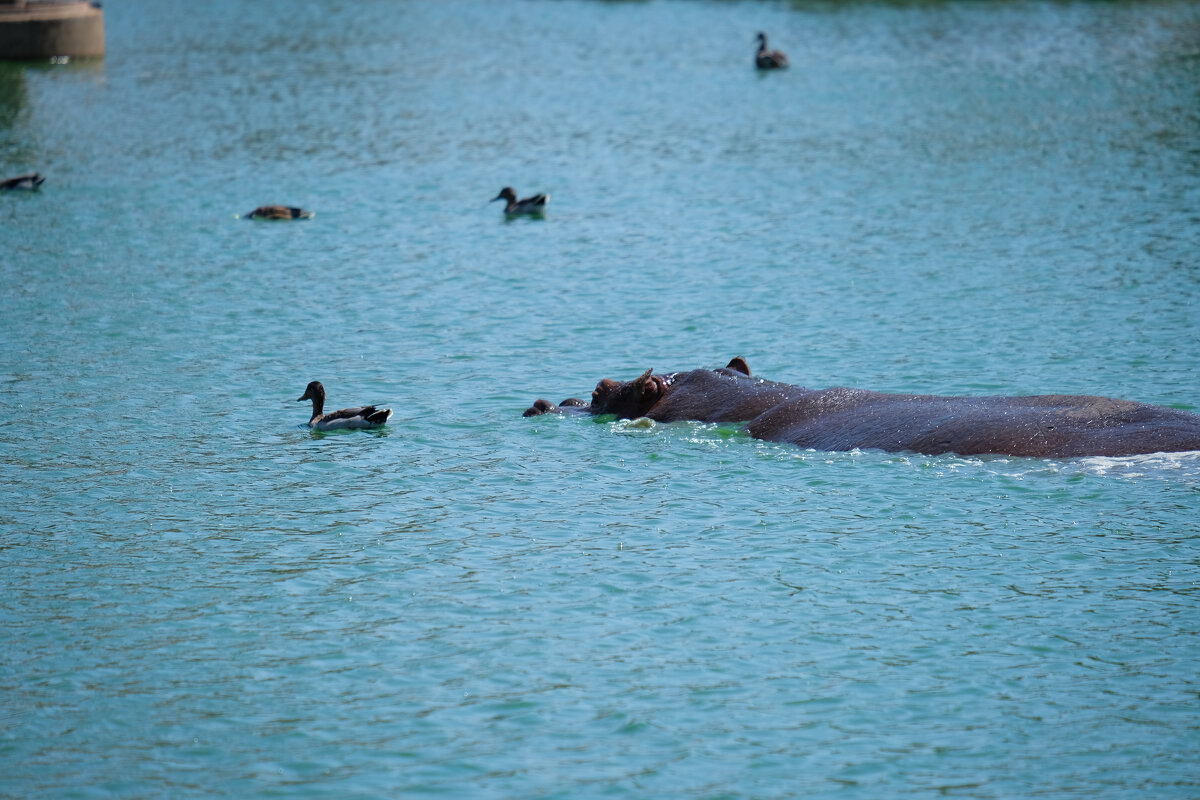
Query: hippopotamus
point(1041, 426)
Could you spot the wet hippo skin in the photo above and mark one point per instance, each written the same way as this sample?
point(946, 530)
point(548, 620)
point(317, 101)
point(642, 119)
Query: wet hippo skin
point(1043, 426)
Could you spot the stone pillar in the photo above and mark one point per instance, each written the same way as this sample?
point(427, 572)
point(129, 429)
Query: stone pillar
point(38, 30)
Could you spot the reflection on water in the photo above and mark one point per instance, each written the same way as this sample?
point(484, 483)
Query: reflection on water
point(13, 93)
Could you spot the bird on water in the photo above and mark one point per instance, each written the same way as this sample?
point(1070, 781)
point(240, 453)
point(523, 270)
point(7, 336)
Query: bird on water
point(26, 182)
point(279, 212)
point(769, 59)
point(360, 417)
point(528, 205)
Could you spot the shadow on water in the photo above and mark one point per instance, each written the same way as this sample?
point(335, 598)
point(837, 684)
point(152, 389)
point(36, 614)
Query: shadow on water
point(376, 433)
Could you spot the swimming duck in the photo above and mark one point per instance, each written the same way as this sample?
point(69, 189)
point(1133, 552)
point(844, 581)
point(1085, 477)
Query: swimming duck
point(361, 417)
point(31, 181)
point(769, 59)
point(530, 205)
point(279, 212)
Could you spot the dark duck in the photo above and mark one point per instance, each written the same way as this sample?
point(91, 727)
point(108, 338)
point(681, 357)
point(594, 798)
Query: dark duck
point(769, 59)
point(528, 205)
point(25, 182)
point(279, 212)
point(360, 417)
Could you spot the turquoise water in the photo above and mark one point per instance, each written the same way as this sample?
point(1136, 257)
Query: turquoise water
point(200, 597)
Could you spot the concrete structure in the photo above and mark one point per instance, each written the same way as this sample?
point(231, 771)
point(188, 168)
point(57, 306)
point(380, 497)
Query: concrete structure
point(33, 29)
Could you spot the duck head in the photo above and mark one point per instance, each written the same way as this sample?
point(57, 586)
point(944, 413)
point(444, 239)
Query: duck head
point(315, 392)
point(507, 193)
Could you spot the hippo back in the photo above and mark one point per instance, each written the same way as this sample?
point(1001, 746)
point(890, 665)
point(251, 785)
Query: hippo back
point(721, 395)
point(1045, 426)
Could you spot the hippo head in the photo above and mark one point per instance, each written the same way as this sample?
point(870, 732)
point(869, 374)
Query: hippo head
point(639, 397)
point(631, 399)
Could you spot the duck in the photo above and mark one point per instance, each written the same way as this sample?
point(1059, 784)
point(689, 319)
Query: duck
point(769, 59)
point(279, 212)
point(361, 417)
point(530, 205)
point(28, 182)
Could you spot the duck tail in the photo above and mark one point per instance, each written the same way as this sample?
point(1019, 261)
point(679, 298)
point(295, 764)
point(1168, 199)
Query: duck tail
point(379, 416)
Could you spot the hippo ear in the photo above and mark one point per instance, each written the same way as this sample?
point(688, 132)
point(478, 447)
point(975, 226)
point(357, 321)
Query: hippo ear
point(649, 390)
point(738, 364)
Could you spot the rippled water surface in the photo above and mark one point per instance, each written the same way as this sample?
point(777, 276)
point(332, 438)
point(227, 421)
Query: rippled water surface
point(200, 597)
